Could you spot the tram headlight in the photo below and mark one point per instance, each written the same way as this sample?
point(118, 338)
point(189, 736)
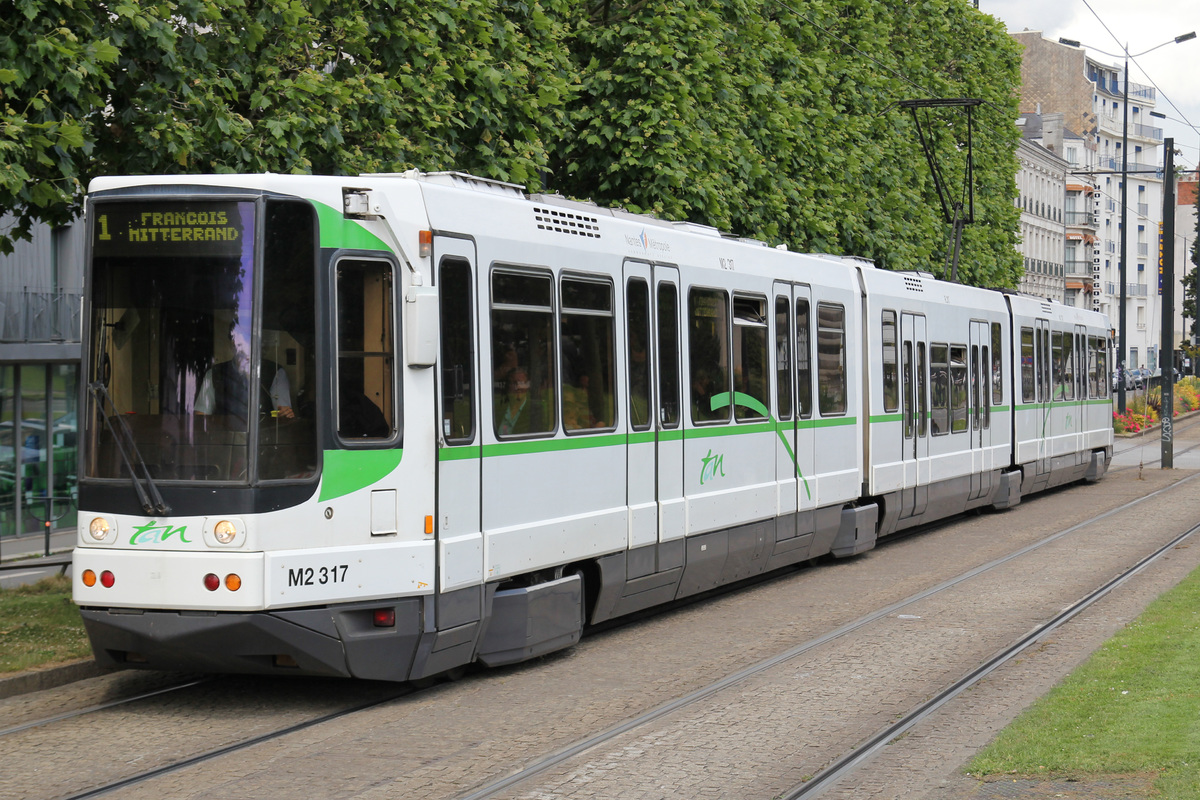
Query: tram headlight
point(99, 529)
point(225, 531)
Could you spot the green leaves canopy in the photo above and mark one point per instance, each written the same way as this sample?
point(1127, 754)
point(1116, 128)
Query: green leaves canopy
point(771, 120)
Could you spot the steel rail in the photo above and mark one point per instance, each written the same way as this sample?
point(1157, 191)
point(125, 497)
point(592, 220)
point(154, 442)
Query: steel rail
point(101, 707)
point(211, 755)
point(846, 764)
point(583, 745)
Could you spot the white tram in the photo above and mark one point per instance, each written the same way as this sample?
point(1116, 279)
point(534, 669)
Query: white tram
point(389, 425)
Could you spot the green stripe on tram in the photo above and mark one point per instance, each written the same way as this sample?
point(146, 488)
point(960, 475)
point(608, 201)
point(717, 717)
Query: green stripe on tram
point(347, 471)
point(339, 233)
point(770, 425)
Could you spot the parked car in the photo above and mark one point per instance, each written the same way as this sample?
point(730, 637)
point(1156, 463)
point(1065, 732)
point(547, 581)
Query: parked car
point(1156, 378)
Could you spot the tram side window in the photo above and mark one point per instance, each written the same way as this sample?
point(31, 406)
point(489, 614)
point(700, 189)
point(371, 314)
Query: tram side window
point(1058, 360)
point(523, 354)
point(708, 354)
point(638, 309)
point(939, 381)
point(287, 445)
point(458, 352)
point(1082, 360)
point(1068, 366)
point(1098, 369)
point(803, 360)
point(958, 388)
point(908, 391)
point(783, 357)
point(985, 378)
point(974, 410)
point(997, 365)
point(1044, 364)
point(588, 362)
point(831, 358)
point(668, 355)
point(922, 395)
point(365, 335)
point(1027, 379)
point(1091, 391)
point(1102, 368)
point(750, 364)
point(891, 388)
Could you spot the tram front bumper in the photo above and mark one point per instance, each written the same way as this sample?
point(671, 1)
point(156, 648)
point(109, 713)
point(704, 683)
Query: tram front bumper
point(332, 642)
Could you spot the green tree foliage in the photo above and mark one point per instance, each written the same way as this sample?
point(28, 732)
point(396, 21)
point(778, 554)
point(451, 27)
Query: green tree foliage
point(770, 119)
point(197, 86)
point(780, 122)
point(53, 81)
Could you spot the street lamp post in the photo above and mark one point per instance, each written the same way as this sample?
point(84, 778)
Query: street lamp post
point(1121, 265)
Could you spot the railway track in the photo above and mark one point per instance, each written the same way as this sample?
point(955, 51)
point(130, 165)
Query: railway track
point(853, 758)
point(358, 705)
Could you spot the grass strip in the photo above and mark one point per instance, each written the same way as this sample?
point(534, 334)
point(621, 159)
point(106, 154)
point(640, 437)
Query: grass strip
point(40, 626)
point(1132, 709)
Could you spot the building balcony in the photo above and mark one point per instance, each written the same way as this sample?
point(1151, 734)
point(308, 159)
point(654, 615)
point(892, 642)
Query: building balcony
point(1131, 289)
point(1146, 169)
point(1079, 269)
point(1083, 219)
point(1146, 131)
point(40, 316)
point(1115, 87)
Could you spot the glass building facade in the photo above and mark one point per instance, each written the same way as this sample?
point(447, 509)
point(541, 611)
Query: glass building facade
point(40, 326)
point(38, 420)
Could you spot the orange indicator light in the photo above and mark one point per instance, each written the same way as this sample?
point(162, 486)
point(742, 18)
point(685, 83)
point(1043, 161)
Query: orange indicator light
point(428, 524)
point(426, 239)
point(233, 582)
point(89, 578)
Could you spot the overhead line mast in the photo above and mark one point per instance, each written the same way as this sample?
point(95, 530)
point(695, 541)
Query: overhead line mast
point(952, 210)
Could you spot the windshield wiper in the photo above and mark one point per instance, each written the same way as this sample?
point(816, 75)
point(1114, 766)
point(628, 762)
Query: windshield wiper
point(122, 436)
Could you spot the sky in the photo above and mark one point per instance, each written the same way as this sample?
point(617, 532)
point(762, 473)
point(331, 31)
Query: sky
point(1141, 25)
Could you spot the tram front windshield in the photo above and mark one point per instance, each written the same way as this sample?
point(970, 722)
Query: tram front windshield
point(183, 377)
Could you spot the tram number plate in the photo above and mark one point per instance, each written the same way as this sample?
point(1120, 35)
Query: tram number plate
point(318, 576)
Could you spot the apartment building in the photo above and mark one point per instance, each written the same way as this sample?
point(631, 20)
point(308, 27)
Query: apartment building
point(1041, 196)
point(1090, 96)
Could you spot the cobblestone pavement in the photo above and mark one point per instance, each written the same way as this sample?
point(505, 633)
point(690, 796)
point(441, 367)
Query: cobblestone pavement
point(753, 740)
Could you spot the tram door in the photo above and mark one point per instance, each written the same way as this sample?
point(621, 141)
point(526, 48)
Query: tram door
point(668, 397)
point(458, 528)
point(804, 447)
point(914, 369)
point(786, 472)
point(641, 453)
point(1042, 374)
point(979, 397)
point(1079, 422)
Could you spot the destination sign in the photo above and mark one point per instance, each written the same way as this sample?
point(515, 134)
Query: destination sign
point(172, 228)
